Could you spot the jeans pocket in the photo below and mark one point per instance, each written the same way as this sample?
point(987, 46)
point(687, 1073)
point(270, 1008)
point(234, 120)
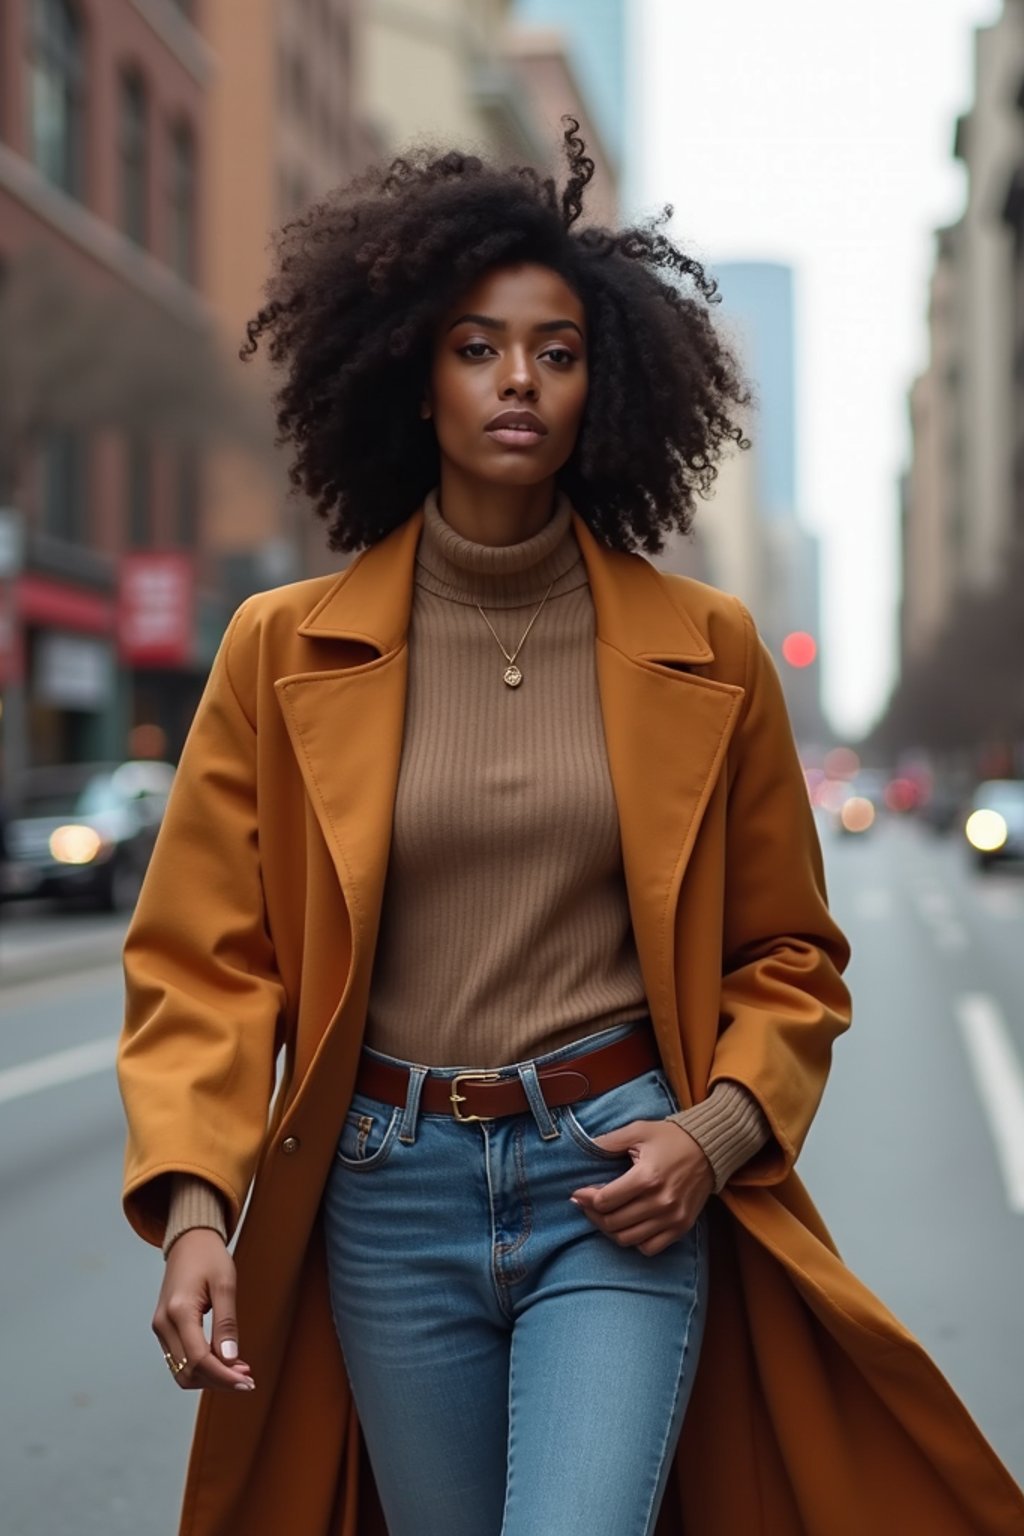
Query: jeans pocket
point(647, 1097)
point(367, 1134)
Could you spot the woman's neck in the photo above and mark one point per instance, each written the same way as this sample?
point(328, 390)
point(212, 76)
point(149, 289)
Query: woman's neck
point(486, 513)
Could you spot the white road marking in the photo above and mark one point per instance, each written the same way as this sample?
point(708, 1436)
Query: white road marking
point(874, 904)
point(999, 1078)
point(60, 1067)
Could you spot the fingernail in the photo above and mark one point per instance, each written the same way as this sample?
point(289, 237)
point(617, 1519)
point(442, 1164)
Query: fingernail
point(229, 1349)
point(245, 1386)
point(575, 1201)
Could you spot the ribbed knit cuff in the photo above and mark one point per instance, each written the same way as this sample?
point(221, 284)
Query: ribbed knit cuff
point(728, 1126)
point(193, 1203)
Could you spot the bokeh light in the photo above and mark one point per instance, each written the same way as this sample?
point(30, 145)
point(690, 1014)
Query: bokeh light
point(799, 648)
point(901, 795)
point(986, 831)
point(75, 845)
point(857, 814)
point(841, 763)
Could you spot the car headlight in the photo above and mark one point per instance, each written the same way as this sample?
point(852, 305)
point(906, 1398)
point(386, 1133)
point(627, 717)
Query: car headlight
point(986, 830)
point(75, 845)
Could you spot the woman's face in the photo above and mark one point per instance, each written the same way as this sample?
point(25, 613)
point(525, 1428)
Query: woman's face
point(508, 381)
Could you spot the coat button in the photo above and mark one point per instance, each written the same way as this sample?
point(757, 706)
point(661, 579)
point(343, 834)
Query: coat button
point(290, 1144)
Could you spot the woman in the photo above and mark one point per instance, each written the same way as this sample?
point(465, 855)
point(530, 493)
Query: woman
point(500, 842)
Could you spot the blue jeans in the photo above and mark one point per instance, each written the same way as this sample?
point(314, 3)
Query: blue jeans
point(516, 1372)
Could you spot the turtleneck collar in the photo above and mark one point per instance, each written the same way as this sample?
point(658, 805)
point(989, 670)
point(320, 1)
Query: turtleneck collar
point(498, 575)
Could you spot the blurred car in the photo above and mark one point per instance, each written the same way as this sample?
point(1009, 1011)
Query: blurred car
point(86, 829)
point(942, 808)
point(994, 828)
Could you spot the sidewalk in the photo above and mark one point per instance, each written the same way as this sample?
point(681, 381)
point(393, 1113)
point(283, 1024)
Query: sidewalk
point(36, 942)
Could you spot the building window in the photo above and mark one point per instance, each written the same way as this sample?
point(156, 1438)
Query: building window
point(57, 94)
point(182, 253)
point(189, 492)
point(134, 156)
point(63, 500)
point(140, 493)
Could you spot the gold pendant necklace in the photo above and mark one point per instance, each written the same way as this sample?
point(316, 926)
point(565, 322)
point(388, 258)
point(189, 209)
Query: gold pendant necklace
point(512, 675)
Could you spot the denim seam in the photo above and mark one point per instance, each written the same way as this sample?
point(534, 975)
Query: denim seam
point(510, 1458)
point(694, 1300)
point(584, 1142)
point(369, 1164)
point(499, 1285)
point(505, 1250)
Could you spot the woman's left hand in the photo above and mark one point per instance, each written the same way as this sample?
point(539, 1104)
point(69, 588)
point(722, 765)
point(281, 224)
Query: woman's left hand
point(657, 1201)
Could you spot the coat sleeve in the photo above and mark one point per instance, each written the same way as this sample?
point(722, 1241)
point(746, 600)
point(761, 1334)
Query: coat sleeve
point(203, 998)
point(783, 1001)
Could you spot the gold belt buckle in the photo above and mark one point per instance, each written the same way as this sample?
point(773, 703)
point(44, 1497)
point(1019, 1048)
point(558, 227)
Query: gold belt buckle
point(460, 1098)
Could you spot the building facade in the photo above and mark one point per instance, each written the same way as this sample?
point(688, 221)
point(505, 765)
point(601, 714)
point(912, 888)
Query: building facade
point(755, 541)
point(283, 129)
point(539, 62)
point(963, 489)
point(432, 69)
point(101, 152)
point(935, 495)
point(597, 46)
point(591, 40)
point(987, 140)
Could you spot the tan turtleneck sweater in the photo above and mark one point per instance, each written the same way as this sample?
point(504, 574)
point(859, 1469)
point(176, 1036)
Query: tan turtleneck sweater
point(505, 931)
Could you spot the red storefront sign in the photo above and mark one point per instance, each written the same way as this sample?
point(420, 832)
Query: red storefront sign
point(156, 607)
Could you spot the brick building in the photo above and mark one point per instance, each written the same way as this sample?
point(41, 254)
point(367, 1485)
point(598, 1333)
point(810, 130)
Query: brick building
point(101, 155)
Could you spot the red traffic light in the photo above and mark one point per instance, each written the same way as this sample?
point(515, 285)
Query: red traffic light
point(799, 648)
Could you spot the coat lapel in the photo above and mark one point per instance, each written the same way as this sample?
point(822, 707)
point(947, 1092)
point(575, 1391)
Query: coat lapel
point(667, 731)
point(345, 724)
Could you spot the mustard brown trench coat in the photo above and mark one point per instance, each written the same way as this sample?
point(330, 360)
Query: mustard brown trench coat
point(814, 1412)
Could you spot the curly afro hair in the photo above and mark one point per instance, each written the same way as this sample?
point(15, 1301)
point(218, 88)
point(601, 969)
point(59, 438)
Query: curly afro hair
point(362, 280)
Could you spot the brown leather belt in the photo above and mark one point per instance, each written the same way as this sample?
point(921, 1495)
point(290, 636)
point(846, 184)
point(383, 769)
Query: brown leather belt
point(488, 1095)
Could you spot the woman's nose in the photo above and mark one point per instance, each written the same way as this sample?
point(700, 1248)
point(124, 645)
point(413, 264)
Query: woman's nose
point(519, 380)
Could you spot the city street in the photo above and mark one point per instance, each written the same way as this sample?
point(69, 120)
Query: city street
point(916, 1160)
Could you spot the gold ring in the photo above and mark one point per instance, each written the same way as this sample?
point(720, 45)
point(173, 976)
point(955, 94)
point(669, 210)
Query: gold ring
point(175, 1366)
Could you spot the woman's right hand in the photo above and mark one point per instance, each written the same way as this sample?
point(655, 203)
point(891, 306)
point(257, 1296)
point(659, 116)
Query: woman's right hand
point(200, 1276)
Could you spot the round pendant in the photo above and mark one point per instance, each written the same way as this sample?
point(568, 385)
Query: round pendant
point(513, 676)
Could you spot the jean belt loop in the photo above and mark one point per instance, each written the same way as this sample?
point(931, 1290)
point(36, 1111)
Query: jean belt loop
point(535, 1098)
point(410, 1115)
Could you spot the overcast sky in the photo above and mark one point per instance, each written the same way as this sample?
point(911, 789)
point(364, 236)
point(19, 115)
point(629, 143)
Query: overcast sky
point(821, 135)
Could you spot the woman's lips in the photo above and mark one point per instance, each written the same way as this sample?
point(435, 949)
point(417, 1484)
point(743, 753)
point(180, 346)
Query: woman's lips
point(515, 437)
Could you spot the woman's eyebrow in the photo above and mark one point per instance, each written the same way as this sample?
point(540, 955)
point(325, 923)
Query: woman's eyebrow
point(502, 325)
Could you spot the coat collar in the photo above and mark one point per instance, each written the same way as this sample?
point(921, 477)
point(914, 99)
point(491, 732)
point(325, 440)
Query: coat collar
point(636, 611)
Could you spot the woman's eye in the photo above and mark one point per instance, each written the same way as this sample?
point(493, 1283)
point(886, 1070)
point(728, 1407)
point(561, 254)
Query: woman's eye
point(560, 355)
point(474, 349)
